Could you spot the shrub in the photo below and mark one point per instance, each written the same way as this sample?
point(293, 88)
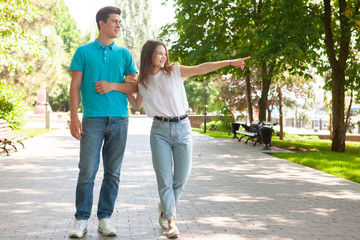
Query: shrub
point(277, 133)
point(209, 126)
point(13, 108)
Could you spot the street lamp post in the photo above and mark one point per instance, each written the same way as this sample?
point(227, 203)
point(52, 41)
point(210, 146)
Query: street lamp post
point(205, 106)
point(46, 32)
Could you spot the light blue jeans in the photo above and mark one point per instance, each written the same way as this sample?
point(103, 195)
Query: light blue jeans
point(171, 148)
point(108, 134)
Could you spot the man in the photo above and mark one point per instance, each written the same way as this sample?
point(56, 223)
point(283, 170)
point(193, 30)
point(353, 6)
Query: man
point(105, 118)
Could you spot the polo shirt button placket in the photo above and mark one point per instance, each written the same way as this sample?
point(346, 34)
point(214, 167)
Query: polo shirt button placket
point(106, 55)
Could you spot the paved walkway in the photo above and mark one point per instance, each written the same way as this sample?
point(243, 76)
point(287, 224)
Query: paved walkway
point(233, 192)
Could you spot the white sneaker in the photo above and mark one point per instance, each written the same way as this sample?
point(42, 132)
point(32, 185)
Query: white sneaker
point(173, 232)
point(162, 221)
point(106, 228)
point(78, 229)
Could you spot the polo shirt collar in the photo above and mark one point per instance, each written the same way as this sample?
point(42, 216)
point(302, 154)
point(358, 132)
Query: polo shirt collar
point(98, 45)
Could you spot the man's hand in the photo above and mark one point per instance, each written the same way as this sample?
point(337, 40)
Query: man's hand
point(76, 129)
point(103, 87)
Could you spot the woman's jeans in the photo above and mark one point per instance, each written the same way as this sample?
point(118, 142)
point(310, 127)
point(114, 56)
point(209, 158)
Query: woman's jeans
point(110, 133)
point(171, 148)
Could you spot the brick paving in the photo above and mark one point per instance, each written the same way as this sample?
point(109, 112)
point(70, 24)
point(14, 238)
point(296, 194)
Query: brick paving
point(235, 191)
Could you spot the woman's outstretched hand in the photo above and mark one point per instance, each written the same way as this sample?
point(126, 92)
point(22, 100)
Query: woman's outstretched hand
point(240, 62)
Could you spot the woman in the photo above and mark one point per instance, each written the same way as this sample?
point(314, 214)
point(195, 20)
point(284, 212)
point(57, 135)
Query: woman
point(161, 88)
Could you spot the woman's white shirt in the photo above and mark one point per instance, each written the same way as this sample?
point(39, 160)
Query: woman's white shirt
point(165, 94)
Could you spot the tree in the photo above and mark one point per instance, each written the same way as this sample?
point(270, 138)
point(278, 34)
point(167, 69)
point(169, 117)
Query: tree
point(263, 29)
point(18, 44)
point(341, 32)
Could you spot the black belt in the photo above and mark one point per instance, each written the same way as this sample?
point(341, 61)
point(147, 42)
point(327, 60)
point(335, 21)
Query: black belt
point(171, 119)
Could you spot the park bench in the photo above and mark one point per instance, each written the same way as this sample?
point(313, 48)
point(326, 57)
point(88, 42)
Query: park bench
point(9, 138)
point(253, 132)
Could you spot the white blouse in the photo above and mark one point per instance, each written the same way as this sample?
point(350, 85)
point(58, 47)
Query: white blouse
point(165, 94)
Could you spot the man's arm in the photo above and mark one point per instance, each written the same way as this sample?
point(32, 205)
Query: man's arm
point(75, 124)
point(127, 87)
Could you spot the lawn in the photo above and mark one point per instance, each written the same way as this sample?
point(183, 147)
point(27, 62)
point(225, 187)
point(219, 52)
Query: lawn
point(315, 153)
point(32, 132)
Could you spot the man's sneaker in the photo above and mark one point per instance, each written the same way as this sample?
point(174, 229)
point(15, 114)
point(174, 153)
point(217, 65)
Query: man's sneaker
point(78, 229)
point(162, 221)
point(106, 228)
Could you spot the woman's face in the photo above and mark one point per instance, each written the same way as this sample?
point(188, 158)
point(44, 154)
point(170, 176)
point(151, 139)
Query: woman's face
point(159, 57)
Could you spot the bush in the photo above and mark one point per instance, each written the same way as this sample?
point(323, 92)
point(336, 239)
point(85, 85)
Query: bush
point(220, 126)
point(209, 126)
point(13, 108)
point(277, 133)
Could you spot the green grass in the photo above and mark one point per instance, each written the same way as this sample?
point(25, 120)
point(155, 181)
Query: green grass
point(315, 153)
point(32, 132)
point(213, 134)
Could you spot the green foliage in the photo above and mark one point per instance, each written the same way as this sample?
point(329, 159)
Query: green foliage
point(12, 105)
point(66, 27)
point(212, 126)
point(18, 43)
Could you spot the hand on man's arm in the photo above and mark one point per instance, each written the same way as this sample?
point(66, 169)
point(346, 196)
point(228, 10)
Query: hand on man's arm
point(129, 86)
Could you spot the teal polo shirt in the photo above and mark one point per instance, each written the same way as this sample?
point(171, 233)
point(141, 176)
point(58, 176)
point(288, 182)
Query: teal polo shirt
point(97, 62)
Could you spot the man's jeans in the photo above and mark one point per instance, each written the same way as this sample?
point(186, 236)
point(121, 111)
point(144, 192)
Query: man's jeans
point(112, 131)
point(171, 148)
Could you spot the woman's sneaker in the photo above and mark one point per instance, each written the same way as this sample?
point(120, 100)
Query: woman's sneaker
point(173, 232)
point(162, 221)
point(78, 229)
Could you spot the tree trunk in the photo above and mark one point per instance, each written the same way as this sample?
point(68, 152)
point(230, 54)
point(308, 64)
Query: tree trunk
point(347, 121)
point(266, 81)
point(269, 114)
point(196, 108)
point(338, 111)
point(281, 121)
point(338, 67)
point(248, 98)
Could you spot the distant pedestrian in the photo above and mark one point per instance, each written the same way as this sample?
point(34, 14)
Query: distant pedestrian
point(162, 90)
point(105, 118)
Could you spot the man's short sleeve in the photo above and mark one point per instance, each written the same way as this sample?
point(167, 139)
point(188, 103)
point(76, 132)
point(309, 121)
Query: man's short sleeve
point(130, 64)
point(77, 62)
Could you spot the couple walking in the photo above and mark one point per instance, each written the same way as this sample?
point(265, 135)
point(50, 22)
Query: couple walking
point(104, 76)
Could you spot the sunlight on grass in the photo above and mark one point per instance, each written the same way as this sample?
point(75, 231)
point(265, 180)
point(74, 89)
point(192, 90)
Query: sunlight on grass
point(313, 152)
point(32, 132)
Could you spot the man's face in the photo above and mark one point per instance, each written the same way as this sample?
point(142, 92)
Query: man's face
point(112, 26)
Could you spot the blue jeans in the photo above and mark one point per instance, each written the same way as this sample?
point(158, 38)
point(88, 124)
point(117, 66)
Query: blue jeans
point(171, 148)
point(110, 133)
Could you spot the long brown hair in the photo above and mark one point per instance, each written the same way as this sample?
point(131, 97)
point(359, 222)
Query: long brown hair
point(146, 64)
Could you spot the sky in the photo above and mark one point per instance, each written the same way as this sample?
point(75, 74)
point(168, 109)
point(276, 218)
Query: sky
point(160, 15)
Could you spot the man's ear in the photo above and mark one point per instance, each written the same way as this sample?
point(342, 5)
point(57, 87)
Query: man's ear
point(101, 23)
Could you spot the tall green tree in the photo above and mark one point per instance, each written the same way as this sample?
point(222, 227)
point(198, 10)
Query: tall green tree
point(340, 27)
point(213, 30)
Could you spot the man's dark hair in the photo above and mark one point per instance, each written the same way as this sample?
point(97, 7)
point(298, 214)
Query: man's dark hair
point(103, 14)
